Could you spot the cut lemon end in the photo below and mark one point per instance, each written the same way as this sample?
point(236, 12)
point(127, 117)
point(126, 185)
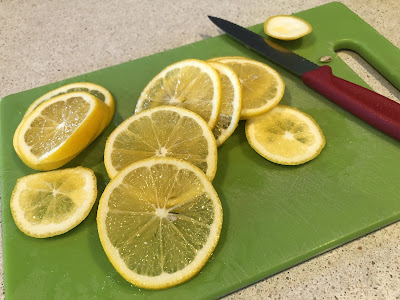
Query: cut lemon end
point(262, 86)
point(285, 27)
point(231, 103)
point(52, 203)
point(192, 84)
point(59, 129)
point(164, 131)
point(159, 220)
point(285, 135)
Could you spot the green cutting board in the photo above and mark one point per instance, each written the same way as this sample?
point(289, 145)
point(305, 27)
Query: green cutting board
point(274, 216)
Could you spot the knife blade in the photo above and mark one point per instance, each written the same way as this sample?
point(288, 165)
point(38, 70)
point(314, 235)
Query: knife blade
point(369, 106)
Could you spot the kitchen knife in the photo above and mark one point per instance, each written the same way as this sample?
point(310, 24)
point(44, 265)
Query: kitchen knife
point(373, 108)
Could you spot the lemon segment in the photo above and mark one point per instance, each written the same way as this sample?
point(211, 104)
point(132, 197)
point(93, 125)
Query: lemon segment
point(58, 129)
point(52, 203)
point(285, 136)
point(159, 220)
point(262, 86)
point(164, 131)
point(286, 27)
point(231, 103)
point(192, 84)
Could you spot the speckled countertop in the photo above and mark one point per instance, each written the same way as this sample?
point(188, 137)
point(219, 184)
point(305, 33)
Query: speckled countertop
point(46, 41)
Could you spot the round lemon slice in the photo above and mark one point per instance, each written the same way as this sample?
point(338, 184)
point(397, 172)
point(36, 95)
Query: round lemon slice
point(164, 131)
point(285, 27)
point(58, 129)
point(262, 86)
point(94, 89)
point(285, 135)
point(159, 220)
point(231, 103)
point(51, 203)
point(192, 84)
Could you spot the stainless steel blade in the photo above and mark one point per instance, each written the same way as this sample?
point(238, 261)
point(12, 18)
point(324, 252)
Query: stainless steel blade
point(284, 57)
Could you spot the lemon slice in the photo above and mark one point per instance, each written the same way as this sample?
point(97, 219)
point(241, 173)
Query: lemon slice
point(262, 86)
point(192, 84)
point(287, 28)
point(167, 130)
point(94, 89)
point(59, 129)
point(159, 220)
point(51, 203)
point(285, 136)
point(231, 103)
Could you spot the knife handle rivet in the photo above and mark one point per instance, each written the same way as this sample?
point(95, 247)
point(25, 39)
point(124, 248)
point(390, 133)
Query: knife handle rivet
point(325, 59)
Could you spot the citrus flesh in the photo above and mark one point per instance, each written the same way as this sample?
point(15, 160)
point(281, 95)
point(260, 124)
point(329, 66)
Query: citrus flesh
point(231, 103)
point(262, 86)
point(285, 135)
point(286, 27)
point(51, 203)
point(192, 84)
point(164, 131)
point(59, 129)
point(159, 221)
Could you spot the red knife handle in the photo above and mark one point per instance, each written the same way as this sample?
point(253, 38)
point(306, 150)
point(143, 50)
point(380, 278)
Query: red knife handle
point(373, 108)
